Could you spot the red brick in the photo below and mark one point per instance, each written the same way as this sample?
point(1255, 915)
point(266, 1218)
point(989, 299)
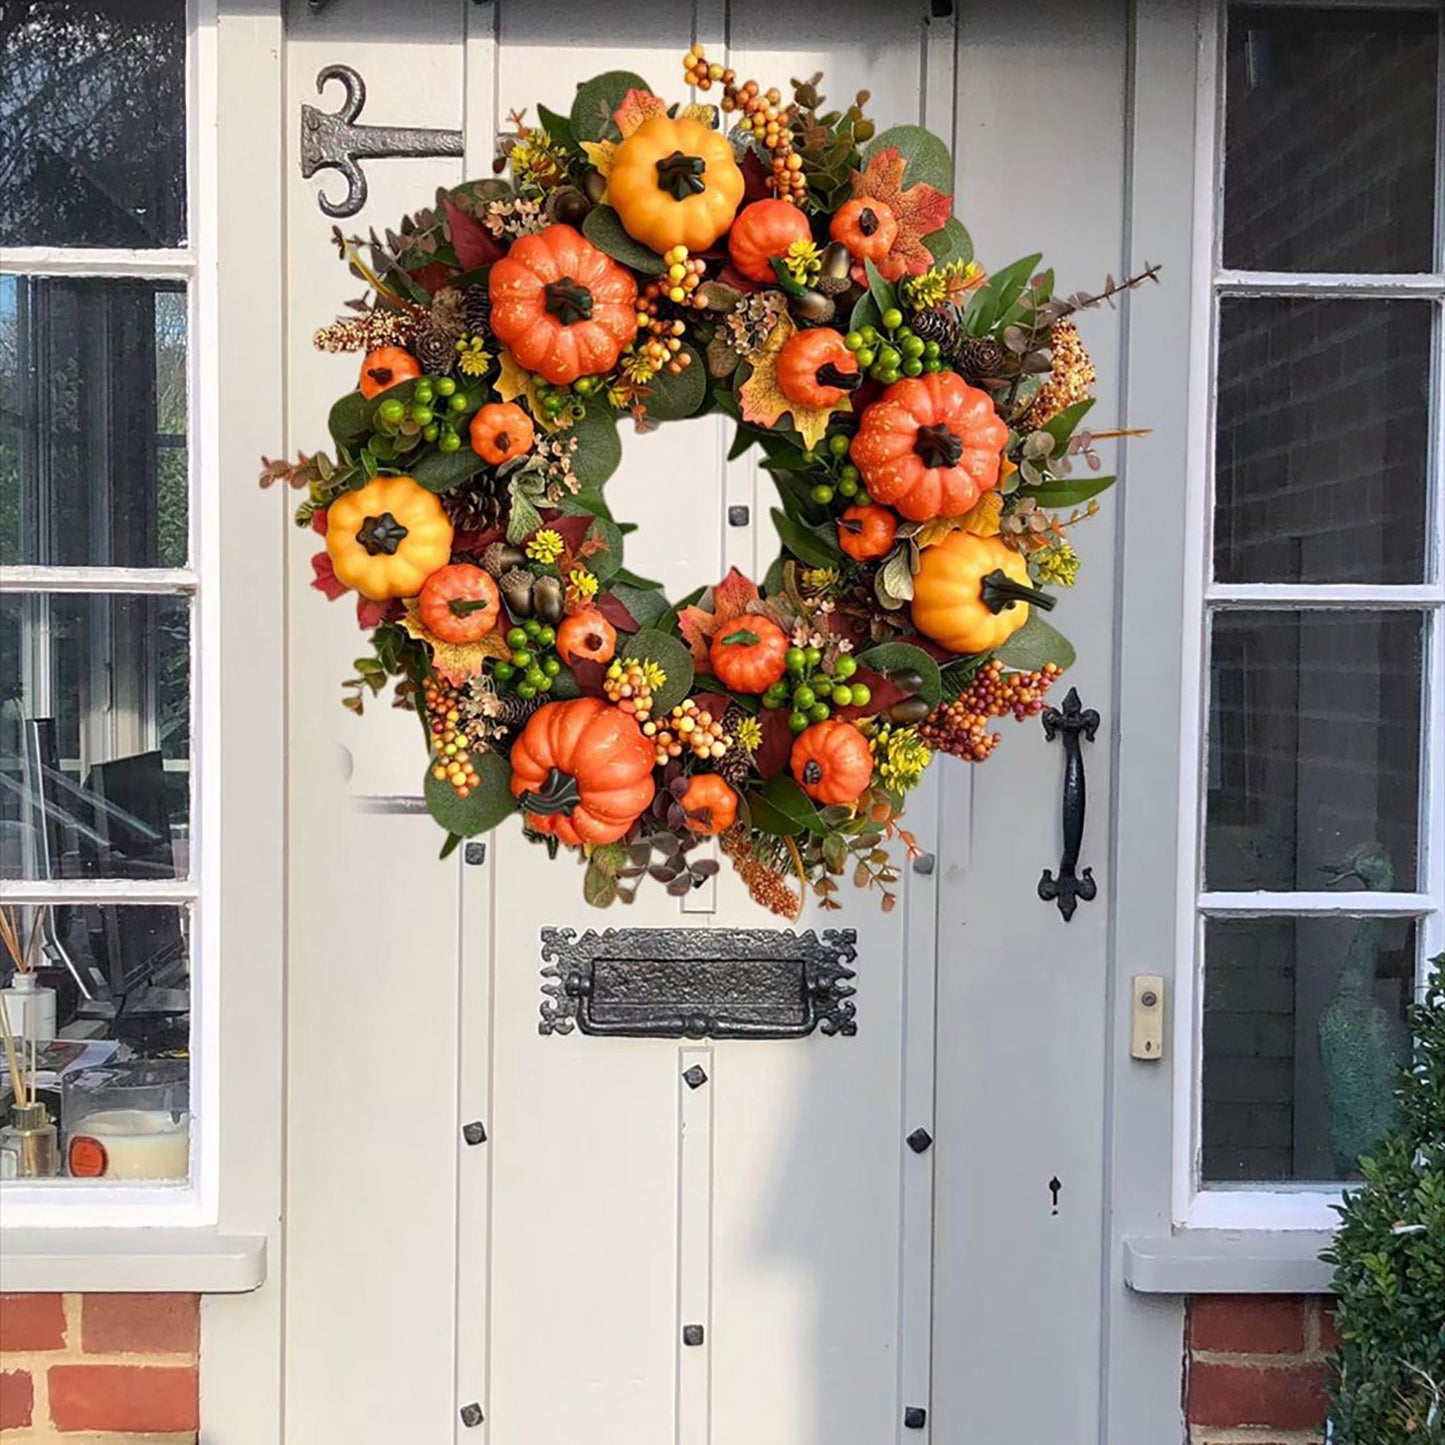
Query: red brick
point(140, 1324)
point(32, 1322)
point(1329, 1331)
point(1280, 1397)
point(17, 1398)
point(1248, 1324)
point(124, 1397)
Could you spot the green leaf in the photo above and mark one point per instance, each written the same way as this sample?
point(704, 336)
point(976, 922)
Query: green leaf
point(604, 564)
point(900, 656)
point(646, 604)
point(1064, 425)
point(671, 398)
point(1003, 289)
point(672, 657)
point(564, 687)
point(557, 126)
point(1067, 491)
point(865, 313)
point(927, 159)
point(441, 471)
point(885, 298)
point(350, 420)
point(596, 100)
point(603, 227)
point(781, 807)
point(599, 448)
point(1034, 644)
point(451, 845)
point(805, 543)
point(949, 243)
point(483, 808)
point(599, 886)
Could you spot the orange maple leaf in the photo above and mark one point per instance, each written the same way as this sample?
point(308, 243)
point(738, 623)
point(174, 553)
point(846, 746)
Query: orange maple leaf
point(638, 106)
point(731, 598)
point(919, 211)
point(762, 397)
point(454, 662)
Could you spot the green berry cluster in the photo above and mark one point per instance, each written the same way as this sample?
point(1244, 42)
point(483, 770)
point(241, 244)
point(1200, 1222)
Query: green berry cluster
point(811, 692)
point(843, 486)
point(533, 665)
point(436, 409)
point(568, 403)
point(894, 352)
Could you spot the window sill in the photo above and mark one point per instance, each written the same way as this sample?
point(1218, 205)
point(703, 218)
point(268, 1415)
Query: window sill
point(129, 1261)
point(1228, 1261)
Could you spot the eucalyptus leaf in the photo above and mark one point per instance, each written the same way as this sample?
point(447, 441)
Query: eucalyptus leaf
point(672, 657)
point(893, 584)
point(599, 886)
point(603, 227)
point(441, 471)
point(483, 808)
point(350, 420)
point(951, 242)
point(927, 160)
point(865, 313)
point(1035, 644)
point(599, 448)
point(647, 604)
point(672, 398)
point(596, 100)
point(885, 297)
point(903, 656)
point(557, 126)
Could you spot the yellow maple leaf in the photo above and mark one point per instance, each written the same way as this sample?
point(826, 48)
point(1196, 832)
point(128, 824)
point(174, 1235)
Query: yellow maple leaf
point(602, 153)
point(982, 520)
point(513, 381)
point(707, 114)
point(454, 662)
point(762, 396)
point(937, 529)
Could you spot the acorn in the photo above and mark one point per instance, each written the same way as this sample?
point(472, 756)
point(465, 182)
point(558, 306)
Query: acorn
point(502, 557)
point(568, 205)
point(549, 600)
point(594, 185)
point(834, 278)
point(909, 710)
point(813, 306)
point(516, 587)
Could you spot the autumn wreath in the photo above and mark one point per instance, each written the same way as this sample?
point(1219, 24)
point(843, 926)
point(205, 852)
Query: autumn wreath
point(776, 262)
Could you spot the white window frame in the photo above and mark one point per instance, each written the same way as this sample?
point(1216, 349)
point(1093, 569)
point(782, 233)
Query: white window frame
point(1277, 1206)
point(59, 1204)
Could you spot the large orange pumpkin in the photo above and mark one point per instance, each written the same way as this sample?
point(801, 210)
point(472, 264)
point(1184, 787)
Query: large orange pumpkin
point(459, 603)
point(564, 308)
point(762, 231)
point(710, 804)
point(582, 771)
point(832, 762)
point(675, 182)
point(930, 446)
point(816, 369)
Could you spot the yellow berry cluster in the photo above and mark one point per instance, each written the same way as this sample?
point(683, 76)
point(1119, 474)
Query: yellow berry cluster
point(688, 728)
point(764, 117)
point(448, 740)
point(627, 685)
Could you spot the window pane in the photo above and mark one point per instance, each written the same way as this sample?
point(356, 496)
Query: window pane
point(1314, 748)
point(1304, 1035)
point(93, 123)
point(1323, 440)
point(94, 736)
point(1330, 140)
point(93, 445)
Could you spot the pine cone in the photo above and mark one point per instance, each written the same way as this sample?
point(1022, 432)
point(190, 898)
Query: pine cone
point(476, 507)
point(515, 711)
point(935, 325)
point(436, 351)
point(979, 359)
point(477, 310)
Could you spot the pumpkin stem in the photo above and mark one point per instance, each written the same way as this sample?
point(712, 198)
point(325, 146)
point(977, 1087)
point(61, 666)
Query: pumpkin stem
point(829, 375)
point(868, 221)
point(742, 637)
point(383, 376)
point(381, 534)
point(681, 176)
point(502, 441)
point(568, 301)
point(464, 606)
point(812, 773)
point(937, 446)
point(998, 590)
point(559, 794)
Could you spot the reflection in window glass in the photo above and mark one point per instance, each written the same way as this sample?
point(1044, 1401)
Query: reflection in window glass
point(1304, 1036)
point(94, 736)
point(1314, 747)
point(93, 444)
point(92, 123)
point(1330, 139)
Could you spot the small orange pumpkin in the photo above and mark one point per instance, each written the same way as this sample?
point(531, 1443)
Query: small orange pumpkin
point(459, 603)
point(588, 636)
point(564, 308)
point(582, 771)
point(675, 182)
point(749, 654)
point(762, 231)
point(930, 447)
point(832, 762)
point(500, 431)
point(866, 533)
point(971, 593)
point(384, 367)
point(816, 369)
point(710, 804)
point(868, 228)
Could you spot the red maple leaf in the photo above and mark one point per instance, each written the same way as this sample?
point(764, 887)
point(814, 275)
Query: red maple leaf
point(730, 598)
point(371, 614)
point(326, 579)
point(919, 211)
point(474, 244)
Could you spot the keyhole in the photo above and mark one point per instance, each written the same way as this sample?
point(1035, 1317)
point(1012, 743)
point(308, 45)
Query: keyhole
point(1054, 1187)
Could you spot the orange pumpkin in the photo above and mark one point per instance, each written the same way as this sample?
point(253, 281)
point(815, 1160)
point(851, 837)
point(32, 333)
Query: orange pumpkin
point(384, 367)
point(500, 431)
point(930, 447)
point(868, 228)
point(749, 654)
point(586, 635)
point(710, 804)
point(815, 368)
point(832, 762)
point(866, 533)
point(459, 603)
point(582, 771)
point(675, 182)
point(564, 308)
point(762, 231)
point(971, 594)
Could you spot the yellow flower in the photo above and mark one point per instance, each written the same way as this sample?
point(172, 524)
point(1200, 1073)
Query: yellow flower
point(748, 734)
point(473, 358)
point(546, 546)
point(803, 261)
point(653, 675)
point(1057, 566)
point(901, 755)
point(820, 580)
point(582, 582)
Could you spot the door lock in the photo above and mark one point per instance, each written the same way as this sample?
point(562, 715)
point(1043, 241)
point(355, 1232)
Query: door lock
point(1146, 1035)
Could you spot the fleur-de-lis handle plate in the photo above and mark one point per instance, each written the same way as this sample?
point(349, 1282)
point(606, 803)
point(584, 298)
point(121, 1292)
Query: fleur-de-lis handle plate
point(331, 140)
point(1070, 886)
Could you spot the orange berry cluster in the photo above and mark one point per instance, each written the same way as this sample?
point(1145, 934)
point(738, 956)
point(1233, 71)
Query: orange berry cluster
point(688, 728)
point(626, 684)
point(448, 739)
point(764, 117)
point(961, 727)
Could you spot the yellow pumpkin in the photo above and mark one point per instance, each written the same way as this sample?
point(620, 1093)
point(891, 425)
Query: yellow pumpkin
point(386, 539)
point(971, 594)
point(675, 183)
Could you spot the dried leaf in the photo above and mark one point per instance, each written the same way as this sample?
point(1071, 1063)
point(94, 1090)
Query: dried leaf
point(326, 580)
point(731, 598)
point(983, 519)
point(638, 107)
point(763, 401)
point(920, 210)
point(514, 381)
point(602, 154)
point(455, 662)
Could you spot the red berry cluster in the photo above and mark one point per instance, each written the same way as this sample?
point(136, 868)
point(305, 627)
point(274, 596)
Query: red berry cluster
point(961, 727)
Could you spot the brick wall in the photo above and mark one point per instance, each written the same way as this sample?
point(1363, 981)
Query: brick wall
point(116, 1369)
point(1254, 1369)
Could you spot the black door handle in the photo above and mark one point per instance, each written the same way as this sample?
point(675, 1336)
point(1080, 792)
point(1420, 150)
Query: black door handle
point(1070, 886)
